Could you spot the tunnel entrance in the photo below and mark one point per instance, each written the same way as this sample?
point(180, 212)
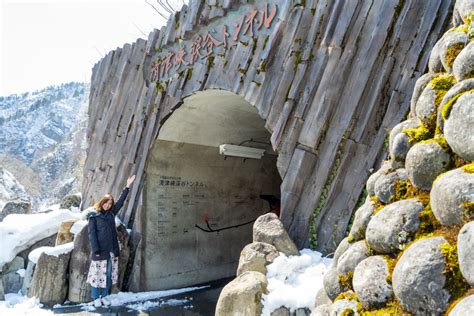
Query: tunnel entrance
point(192, 191)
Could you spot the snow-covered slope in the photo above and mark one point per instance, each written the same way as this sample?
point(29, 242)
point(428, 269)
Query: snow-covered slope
point(42, 139)
point(10, 188)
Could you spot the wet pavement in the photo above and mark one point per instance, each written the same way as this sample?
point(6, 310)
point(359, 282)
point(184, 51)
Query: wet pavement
point(195, 303)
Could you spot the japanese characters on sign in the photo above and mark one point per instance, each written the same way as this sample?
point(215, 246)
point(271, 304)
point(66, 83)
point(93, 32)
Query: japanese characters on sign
point(167, 181)
point(203, 46)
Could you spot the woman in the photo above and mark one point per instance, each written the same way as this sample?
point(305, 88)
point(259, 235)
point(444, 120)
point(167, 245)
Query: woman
point(105, 251)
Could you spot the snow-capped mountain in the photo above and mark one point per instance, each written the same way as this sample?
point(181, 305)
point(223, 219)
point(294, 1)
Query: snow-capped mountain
point(42, 140)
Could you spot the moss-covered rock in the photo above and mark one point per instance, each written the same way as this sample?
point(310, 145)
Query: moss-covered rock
point(459, 126)
point(449, 194)
point(418, 280)
point(424, 162)
point(394, 226)
point(463, 66)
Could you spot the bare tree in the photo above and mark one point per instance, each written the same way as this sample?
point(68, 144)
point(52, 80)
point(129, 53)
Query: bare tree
point(165, 8)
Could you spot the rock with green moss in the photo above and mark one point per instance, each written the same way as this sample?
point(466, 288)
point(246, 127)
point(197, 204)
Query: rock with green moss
point(466, 252)
point(361, 220)
point(463, 307)
point(385, 186)
point(463, 67)
point(399, 142)
point(357, 252)
point(453, 43)
point(370, 282)
point(459, 127)
point(343, 246)
point(418, 280)
point(370, 185)
point(424, 162)
point(346, 306)
point(450, 99)
point(332, 285)
point(394, 226)
point(434, 64)
point(420, 85)
point(450, 197)
point(463, 11)
point(426, 108)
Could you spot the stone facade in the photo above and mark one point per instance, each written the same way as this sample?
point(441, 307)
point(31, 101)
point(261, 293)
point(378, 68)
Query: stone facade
point(330, 79)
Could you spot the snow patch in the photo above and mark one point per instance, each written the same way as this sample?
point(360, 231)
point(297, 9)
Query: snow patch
point(21, 272)
point(16, 304)
point(20, 231)
point(294, 281)
point(51, 251)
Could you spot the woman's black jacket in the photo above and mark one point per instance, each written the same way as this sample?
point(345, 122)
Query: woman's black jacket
point(102, 231)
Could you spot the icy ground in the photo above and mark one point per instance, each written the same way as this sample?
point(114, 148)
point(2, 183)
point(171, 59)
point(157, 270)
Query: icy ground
point(16, 304)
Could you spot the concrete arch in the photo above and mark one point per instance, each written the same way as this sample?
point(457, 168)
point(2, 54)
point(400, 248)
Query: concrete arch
point(199, 206)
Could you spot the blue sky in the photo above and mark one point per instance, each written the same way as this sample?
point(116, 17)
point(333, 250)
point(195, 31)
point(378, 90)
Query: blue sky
point(46, 42)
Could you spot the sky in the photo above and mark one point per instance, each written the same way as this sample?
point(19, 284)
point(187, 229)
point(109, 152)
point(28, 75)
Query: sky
point(49, 42)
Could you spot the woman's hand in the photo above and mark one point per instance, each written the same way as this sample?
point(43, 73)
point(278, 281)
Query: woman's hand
point(130, 181)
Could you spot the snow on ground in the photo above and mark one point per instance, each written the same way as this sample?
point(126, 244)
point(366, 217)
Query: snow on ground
point(294, 281)
point(20, 231)
point(34, 255)
point(16, 305)
point(124, 298)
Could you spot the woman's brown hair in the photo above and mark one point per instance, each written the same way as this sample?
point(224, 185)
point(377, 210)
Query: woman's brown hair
point(102, 201)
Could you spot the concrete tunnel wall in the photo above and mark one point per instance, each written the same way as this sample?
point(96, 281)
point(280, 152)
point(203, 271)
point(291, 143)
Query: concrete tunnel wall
point(187, 180)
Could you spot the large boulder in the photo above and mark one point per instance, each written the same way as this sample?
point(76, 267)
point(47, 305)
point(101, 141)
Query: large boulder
point(30, 269)
point(15, 207)
point(49, 283)
point(2, 292)
point(361, 220)
point(385, 185)
point(345, 306)
point(434, 63)
point(420, 85)
point(256, 256)
point(453, 43)
point(462, 12)
point(424, 162)
point(243, 295)
point(418, 280)
point(393, 226)
point(79, 289)
point(450, 196)
point(269, 229)
point(351, 258)
point(12, 275)
point(343, 246)
point(464, 307)
point(458, 126)
point(370, 282)
point(449, 100)
point(71, 200)
point(64, 235)
point(466, 252)
point(370, 185)
point(332, 284)
point(463, 67)
point(399, 143)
